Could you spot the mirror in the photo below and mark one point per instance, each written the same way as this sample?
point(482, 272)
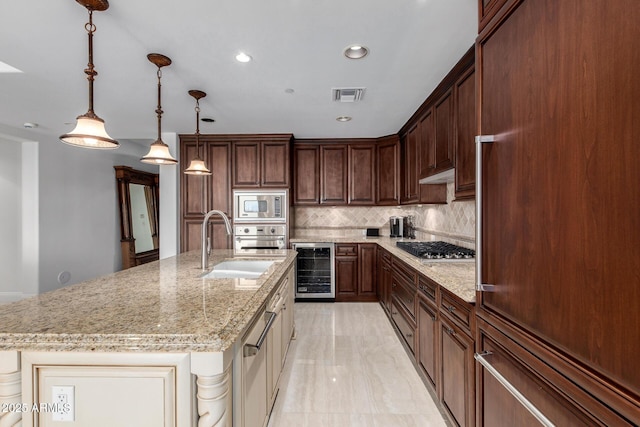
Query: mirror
point(138, 203)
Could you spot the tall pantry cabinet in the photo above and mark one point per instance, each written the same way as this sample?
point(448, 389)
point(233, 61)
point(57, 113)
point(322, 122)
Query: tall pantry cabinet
point(558, 90)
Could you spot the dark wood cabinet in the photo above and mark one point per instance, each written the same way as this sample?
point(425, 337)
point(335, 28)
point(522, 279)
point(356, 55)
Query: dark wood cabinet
point(410, 151)
point(444, 150)
point(457, 366)
point(465, 130)
point(428, 339)
point(262, 161)
point(388, 171)
point(367, 280)
point(560, 195)
point(246, 164)
point(404, 323)
point(356, 272)
point(333, 174)
point(200, 194)
point(384, 279)
point(362, 174)
point(306, 180)
point(427, 135)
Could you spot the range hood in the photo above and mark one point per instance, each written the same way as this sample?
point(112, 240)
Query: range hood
point(440, 178)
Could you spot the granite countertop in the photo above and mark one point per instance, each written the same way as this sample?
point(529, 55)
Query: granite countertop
point(161, 306)
point(456, 277)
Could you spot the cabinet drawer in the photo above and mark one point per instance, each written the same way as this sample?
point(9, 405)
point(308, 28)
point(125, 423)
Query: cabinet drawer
point(458, 311)
point(386, 256)
point(427, 288)
point(405, 294)
point(406, 329)
point(346, 250)
point(554, 395)
point(408, 274)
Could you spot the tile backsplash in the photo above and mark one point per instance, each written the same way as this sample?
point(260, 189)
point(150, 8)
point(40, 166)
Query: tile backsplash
point(453, 222)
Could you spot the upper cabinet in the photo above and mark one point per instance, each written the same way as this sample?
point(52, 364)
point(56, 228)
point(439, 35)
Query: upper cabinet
point(328, 172)
point(387, 167)
point(443, 119)
point(410, 149)
point(262, 161)
point(465, 125)
point(333, 174)
point(306, 174)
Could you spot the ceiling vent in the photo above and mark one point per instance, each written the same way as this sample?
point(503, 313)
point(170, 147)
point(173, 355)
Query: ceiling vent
point(348, 94)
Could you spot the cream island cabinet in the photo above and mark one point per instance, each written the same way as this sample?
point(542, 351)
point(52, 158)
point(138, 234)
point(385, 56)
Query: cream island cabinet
point(154, 345)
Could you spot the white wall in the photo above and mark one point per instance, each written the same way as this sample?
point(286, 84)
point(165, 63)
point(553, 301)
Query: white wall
point(79, 216)
point(10, 219)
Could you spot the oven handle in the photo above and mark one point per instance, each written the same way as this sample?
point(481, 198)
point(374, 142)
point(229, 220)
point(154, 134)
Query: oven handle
point(266, 238)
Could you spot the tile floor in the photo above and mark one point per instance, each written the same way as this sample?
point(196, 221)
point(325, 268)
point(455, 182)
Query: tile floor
point(347, 367)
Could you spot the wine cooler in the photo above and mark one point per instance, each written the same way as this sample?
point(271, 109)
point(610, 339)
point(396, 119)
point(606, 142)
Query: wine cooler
point(315, 274)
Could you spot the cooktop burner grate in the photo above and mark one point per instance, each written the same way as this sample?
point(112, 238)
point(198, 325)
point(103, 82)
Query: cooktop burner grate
point(436, 250)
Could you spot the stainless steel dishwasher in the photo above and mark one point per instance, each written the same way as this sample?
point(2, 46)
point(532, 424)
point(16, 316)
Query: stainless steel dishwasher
point(315, 271)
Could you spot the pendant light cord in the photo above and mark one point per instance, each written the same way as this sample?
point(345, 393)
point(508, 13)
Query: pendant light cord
point(90, 70)
point(159, 109)
point(198, 129)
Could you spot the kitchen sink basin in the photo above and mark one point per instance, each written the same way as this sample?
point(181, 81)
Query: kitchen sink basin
point(239, 269)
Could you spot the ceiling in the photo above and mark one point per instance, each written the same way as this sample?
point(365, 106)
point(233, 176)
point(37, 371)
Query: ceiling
point(295, 44)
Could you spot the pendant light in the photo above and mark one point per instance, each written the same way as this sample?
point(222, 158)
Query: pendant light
point(197, 166)
point(89, 131)
point(159, 152)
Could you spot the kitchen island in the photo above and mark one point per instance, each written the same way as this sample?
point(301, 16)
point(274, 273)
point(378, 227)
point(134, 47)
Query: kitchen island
point(158, 330)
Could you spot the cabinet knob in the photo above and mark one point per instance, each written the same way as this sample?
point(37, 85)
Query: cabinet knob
point(449, 331)
point(451, 309)
point(408, 335)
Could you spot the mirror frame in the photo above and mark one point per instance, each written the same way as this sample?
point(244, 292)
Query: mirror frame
point(126, 175)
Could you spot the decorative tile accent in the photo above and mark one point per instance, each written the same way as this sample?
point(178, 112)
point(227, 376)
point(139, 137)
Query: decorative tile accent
point(454, 222)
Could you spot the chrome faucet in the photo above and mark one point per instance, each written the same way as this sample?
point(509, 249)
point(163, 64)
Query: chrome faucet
point(206, 244)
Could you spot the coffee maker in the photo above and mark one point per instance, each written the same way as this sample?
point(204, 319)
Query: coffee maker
point(396, 226)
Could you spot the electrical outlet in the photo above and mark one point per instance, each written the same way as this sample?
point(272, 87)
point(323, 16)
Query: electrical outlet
point(64, 401)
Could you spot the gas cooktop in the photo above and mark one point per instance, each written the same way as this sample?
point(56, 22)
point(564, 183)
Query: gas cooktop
point(437, 251)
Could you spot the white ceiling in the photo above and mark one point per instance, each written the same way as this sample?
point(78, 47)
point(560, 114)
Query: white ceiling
point(295, 44)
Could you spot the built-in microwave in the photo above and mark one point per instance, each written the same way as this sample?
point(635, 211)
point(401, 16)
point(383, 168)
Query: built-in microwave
point(260, 206)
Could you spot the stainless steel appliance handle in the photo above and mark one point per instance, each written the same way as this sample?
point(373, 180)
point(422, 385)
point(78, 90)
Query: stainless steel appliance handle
point(259, 238)
point(253, 349)
point(511, 389)
point(480, 139)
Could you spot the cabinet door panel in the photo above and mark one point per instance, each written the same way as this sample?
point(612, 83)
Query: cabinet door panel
point(427, 144)
point(457, 386)
point(194, 195)
point(346, 278)
point(362, 179)
point(367, 280)
point(306, 174)
point(427, 339)
point(388, 175)
point(219, 162)
point(246, 164)
point(411, 159)
point(443, 112)
point(465, 102)
point(275, 164)
point(333, 179)
point(561, 185)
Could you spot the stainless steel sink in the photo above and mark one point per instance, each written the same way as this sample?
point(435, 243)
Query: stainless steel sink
point(239, 269)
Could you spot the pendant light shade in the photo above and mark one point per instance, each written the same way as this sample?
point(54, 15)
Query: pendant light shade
point(197, 166)
point(159, 153)
point(89, 131)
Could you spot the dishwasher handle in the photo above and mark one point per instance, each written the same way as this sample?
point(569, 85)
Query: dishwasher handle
point(253, 349)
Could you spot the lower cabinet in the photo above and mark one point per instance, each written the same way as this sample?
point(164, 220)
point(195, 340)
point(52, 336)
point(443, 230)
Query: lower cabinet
point(384, 279)
point(555, 396)
point(404, 324)
point(428, 340)
point(356, 266)
point(457, 384)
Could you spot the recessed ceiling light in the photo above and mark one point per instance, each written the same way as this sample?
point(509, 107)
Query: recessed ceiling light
point(356, 51)
point(243, 57)
point(207, 120)
point(343, 118)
